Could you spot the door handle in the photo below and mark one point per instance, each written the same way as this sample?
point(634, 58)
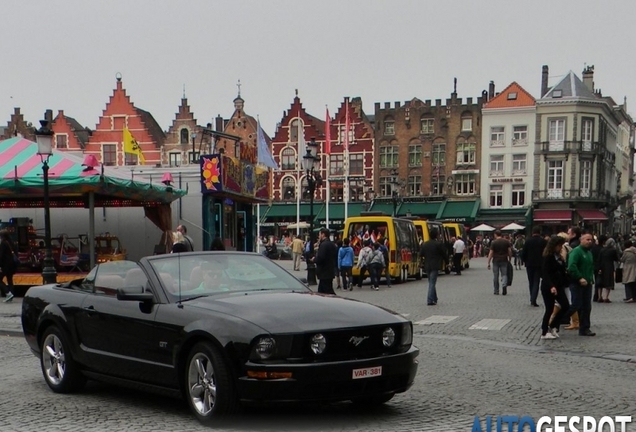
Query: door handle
point(90, 309)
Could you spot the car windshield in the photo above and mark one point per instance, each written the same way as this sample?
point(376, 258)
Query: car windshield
point(194, 275)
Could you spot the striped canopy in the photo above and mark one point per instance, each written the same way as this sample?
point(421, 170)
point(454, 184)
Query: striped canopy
point(21, 181)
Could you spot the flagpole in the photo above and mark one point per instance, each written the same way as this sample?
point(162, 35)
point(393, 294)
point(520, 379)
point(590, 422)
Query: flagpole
point(327, 152)
point(345, 192)
point(301, 135)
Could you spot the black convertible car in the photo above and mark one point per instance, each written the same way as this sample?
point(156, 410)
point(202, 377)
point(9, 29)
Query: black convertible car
point(217, 328)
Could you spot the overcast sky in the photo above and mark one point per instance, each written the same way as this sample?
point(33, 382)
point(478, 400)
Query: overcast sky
point(65, 54)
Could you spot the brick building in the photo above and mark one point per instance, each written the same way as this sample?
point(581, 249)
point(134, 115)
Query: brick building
point(106, 142)
point(69, 134)
point(429, 156)
point(16, 126)
point(185, 139)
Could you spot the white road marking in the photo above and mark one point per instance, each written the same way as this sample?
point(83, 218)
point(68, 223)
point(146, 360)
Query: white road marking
point(436, 319)
point(489, 324)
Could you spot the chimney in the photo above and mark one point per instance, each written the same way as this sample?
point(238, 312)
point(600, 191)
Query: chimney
point(491, 90)
point(218, 123)
point(48, 116)
point(588, 77)
point(544, 80)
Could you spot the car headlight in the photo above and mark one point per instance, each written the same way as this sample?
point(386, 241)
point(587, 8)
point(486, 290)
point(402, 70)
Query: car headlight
point(407, 333)
point(388, 337)
point(265, 347)
point(318, 343)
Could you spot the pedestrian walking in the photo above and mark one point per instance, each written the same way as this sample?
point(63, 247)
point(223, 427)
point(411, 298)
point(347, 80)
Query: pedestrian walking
point(345, 264)
point(178, 243)
point(608, 260)
point(554, 280)
point(581, 271)
point(364, 258)
point(433, 253)
point(187, 240)
point(500, 254)
point(326, 259)
point(297, 251)
point(335, 267)
point(532, 256)
point(376, 264)
point(628, 261)
point(458, 254)
point(8, 265)
point(518, 250)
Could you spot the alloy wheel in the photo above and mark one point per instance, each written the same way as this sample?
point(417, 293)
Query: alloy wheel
point(53, 359)
point(202, 384)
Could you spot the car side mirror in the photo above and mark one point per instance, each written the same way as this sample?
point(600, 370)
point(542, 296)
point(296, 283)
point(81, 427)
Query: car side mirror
point(134, 293)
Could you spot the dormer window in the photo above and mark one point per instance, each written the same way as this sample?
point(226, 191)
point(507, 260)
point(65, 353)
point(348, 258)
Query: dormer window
point(512, 96)
point(557, 93)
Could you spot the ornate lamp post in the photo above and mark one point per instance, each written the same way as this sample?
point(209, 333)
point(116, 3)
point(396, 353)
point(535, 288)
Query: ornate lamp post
point(311, 165)
point(44, 138)
point(395, 190)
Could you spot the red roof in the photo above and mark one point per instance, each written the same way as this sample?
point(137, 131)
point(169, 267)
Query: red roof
point(512, 96)
point(545, 215)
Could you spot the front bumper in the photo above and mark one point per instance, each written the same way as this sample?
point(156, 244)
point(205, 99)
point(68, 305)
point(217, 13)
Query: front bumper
point(331, 381)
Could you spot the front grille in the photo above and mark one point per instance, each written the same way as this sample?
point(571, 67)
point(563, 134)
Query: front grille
point(341, 344)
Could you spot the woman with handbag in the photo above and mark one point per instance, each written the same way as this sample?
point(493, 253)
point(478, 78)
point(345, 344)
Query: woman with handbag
point(554, 279)
point(8, 265)
point(608, 259)
point(628, 261)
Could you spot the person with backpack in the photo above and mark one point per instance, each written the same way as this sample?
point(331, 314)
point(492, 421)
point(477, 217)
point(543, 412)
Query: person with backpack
point(345, 264)
point(8, 265)
point(364, 258)
point(376, 264)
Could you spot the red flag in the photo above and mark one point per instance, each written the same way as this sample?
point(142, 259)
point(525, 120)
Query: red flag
point(347, 125)
point(328, 134)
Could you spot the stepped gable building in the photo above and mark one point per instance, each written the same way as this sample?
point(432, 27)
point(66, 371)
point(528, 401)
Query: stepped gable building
point(290, 179)
point(16, 126)
point(429, 156)
point(582, 141)
point(185, 140)
point(350, 170)
point(69, 134)
point(106, 142)
point(507, 155)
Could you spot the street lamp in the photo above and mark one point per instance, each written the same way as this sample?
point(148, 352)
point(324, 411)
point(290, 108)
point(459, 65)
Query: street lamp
point(395, 190)
point(370, 194)
point(311, 165)
point(44, 138)
point(193, 159)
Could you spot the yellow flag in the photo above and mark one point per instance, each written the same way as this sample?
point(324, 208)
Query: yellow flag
point(132, 146)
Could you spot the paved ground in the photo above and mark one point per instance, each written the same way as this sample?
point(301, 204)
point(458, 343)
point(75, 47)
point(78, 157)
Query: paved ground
point(481, 355)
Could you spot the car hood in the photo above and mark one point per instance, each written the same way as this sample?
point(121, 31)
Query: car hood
point(288, 312)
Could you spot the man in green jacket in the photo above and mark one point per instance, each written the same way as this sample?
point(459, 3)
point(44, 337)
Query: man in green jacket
point(581, 270)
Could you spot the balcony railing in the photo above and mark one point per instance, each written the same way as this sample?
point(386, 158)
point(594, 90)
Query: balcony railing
point(497, 143)
point(570, 194)
point(570, 147)
point(520, 142)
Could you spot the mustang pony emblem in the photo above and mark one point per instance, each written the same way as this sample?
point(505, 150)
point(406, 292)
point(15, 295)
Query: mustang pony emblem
point(357, 340)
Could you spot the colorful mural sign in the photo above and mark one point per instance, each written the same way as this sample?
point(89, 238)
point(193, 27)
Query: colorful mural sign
point(222, 173)
point(210, 173)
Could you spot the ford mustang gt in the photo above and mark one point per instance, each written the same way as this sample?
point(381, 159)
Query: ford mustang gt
point(217, 328)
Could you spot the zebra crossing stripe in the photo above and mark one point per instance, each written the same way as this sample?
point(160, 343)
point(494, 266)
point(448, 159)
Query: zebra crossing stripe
point(436, 319)
point(489, 324)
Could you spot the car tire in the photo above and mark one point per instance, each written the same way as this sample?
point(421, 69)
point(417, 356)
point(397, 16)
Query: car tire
point(210, 389)
point(61, 372)
point(372, 401)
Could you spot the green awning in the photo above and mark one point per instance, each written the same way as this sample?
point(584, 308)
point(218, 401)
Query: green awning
point(426, 209)
point(287, 211)
point(385, 207)
point(336, 213)
point(459, 211)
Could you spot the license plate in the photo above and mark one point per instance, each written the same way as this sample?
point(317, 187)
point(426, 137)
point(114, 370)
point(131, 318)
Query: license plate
point(367, 372)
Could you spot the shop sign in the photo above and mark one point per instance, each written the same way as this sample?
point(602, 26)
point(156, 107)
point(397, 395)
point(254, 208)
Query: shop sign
point(225, 173)
point(508, 180)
